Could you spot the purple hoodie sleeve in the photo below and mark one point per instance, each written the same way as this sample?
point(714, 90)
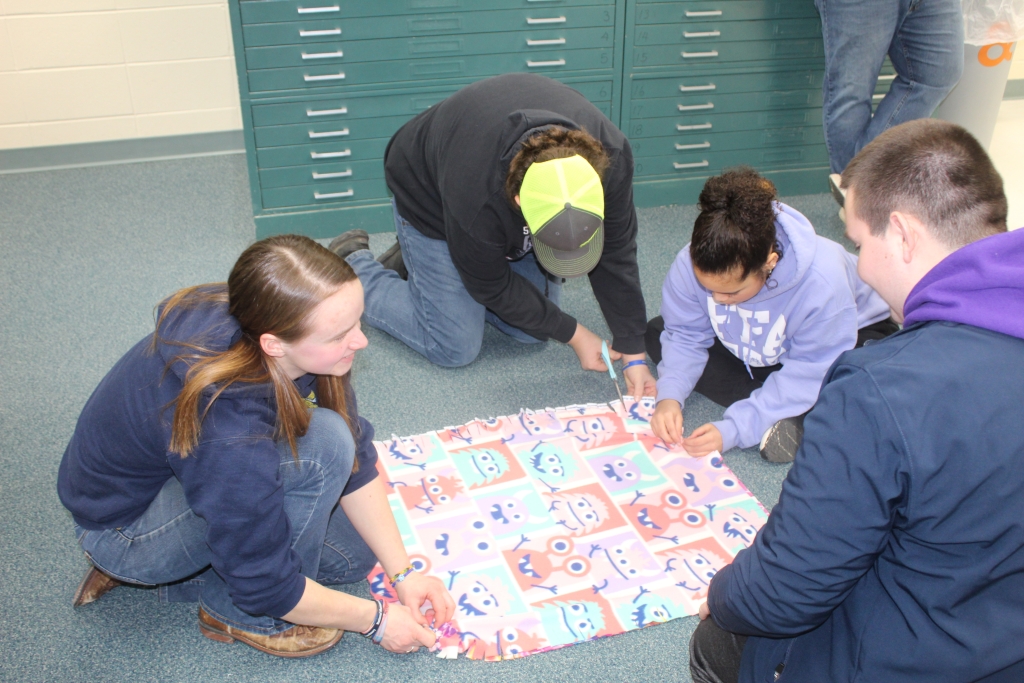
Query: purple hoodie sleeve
point(688, 333)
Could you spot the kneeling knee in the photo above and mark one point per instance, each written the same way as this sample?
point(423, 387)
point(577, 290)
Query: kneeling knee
point(329, 441)
point(456, 355)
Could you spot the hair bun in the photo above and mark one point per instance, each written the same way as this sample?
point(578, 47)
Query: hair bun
point(741, 195)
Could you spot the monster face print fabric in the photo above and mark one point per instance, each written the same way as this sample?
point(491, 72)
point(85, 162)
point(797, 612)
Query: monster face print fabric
point(560, 526)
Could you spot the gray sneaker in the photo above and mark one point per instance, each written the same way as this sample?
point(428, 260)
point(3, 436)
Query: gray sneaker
point(349, 242)
point(781, 441)
point(392, 260)
point(835, 182)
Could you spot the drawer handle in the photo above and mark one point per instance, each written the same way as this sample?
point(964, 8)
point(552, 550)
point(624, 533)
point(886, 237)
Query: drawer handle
point(691, 55)
point(551, 20)
point(696, 164)
point(326, 112)
point(553, 62)
point(695, 88)
point(695, 107)
point(706, 13)
point(330, 155)
point(326, 77)
point(329, 134)
point(681, 148)
point(701, 34)
point(889, 77)
point(334, 195)
point(324, 32)
point(552, 41)
point(326, 176)
point(696, 126)
point(319, 10)
point(322, 55)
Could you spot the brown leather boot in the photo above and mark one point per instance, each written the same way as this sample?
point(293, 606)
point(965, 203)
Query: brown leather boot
point(298, 641)
point(94, 585)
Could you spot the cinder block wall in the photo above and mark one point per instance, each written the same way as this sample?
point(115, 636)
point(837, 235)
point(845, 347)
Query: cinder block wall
point(75, 71)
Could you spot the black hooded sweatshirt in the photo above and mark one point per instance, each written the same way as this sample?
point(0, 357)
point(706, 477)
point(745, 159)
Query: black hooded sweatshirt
point(447, 168)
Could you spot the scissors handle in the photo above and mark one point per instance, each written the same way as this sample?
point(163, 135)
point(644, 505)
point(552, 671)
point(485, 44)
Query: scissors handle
point(607, 358)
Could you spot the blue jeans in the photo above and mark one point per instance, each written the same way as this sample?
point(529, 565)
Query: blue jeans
point(166, 546)
point(925, 42)
point(432, 312)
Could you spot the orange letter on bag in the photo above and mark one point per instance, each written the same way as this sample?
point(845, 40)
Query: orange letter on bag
point(985, 54)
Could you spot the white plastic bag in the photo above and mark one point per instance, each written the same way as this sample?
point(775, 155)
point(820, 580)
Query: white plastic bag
point(993, 21)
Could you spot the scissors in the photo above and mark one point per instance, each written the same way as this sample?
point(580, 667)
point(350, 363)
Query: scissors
point(611, 371)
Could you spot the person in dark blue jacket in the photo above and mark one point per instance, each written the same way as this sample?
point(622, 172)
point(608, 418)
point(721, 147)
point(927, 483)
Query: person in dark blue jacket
point(896, 551)
point(211, 460)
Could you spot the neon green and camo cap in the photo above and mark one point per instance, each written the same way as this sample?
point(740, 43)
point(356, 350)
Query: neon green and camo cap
point(563, 203)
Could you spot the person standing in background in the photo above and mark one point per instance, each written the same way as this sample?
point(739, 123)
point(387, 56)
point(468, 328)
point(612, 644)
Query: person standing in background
point(924, 40)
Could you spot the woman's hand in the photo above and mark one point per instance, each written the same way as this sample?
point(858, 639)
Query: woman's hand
point(704, 440)
point(667, 422)
point(403, 633)
point(418, 588)
point(639, 380)
point(587, 346)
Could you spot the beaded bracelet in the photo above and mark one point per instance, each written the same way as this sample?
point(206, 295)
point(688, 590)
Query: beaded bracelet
point(369, 633)
point(402, 575)
point(634, 362)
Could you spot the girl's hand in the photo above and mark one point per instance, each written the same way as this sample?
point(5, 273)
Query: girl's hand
point(418, 588)
point(667, 422)
point(704, 440)
point(639, 380)
point(403, 633)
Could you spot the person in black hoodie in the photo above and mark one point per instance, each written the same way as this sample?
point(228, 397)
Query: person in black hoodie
point(475, 250)
point(211, 460)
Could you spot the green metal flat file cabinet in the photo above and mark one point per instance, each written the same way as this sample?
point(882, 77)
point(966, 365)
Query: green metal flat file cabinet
point(697, 86)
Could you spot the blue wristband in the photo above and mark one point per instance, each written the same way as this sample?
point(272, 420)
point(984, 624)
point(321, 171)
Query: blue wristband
point(634, 362)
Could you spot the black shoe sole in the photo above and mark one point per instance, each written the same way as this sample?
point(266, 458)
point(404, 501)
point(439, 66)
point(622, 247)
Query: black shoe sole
point(784, 441)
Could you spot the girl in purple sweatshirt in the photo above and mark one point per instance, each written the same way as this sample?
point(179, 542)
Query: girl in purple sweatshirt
point(754, 311)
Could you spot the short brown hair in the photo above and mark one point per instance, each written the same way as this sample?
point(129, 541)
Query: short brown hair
point(553, 143)
point(934, 170)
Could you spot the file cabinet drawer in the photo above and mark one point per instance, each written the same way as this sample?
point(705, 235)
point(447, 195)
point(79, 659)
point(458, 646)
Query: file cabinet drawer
point(701, 33)
point(328, 152)
point(421, 70)
point(659, 13)
point(716, 123)
point(706, 162)
point(728, 141)
point(710, 55)
point(377, 28)
point(303, 133)
point(726, 83)
point(340, 52)
point(323, 195)
point(322, 174)
point(689, 103)
point(344, 108)
point(270, 11)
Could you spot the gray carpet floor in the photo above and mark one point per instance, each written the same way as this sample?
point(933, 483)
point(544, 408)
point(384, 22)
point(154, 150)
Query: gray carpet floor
point(85, 254)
